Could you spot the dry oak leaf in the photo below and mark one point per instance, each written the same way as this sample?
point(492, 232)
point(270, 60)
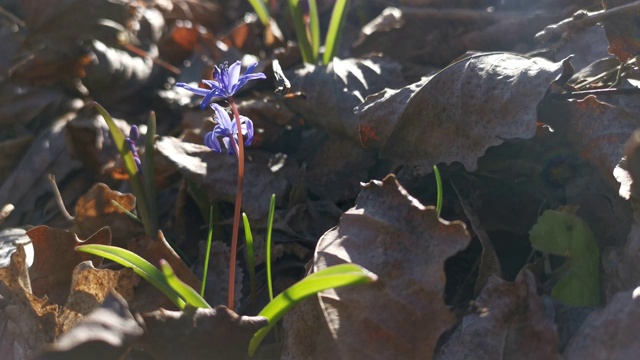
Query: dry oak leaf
point(95, 210)
point(609, 333)
point(457, 114)
point(333, 91)
point(28, 322)
point(106, 333)
point(599, 131)
point(403, 314)
point(623, 30)
point(55, 258)
point(195, 334)
point(90, 287)
point(509, 323)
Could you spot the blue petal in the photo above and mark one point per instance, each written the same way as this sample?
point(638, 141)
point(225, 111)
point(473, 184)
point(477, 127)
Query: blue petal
point(211, 142)
point(222, 117)
point(248, 128)
point(227, 144)
point(197, 91)
point(234, 74)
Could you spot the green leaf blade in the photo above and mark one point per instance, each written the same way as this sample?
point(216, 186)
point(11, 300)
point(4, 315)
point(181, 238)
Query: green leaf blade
point(334, 34)
point(301, 31)
point(140, 266)
point(314, 29)
point(186, 292)
point(261, 10)
point(331, 277)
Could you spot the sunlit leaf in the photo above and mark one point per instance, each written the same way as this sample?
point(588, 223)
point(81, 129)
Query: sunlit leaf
point(139, 265)
point(185, 291)
point(331, 277)
point(334, 33)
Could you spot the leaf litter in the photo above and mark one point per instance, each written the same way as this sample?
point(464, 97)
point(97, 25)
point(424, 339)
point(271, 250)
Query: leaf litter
point(514, 132)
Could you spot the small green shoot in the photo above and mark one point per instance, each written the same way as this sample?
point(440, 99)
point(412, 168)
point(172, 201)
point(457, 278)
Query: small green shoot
point(314, 29)
point(185, 291)
point(149, 171)
point(126, 212)
point(334, 34)
point(139, 265)
point(436, 173)
point(261, 10)
point(301, 31)
point(272, 209)
point(251, 261)
point(309, 38)
point(208, 253)
point(132, 170)
point(331, 277)
point(563, 233)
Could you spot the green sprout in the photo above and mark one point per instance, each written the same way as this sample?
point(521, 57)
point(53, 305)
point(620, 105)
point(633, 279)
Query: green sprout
point(308, 34)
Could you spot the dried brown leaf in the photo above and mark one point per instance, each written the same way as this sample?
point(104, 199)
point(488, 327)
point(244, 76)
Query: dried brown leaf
point(106, 333)
point(195, 334)
point(29, 321)
point(509, 323)
point(405, 243)
point(458, 113)
point(622, 30)
point(55, 258)
point(598, 131)
point(95, 210)
point(90, 287)
point(609, 333)
point(333, 91)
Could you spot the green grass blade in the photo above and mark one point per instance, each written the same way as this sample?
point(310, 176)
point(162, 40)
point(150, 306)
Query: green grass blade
point(336, 24)
point(331, 277)
point(251, 260)
point(148, 167)
point(314, 30)
point(261, 10)
point(208, 253)
point(132, 170)
point(272, 210)
point(186, 292)
point(139, 265)
point(436, 173)
point(301, 31)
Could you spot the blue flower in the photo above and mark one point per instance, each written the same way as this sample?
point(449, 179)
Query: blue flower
point(227, 129)
point(227, 81)
point(134, 135)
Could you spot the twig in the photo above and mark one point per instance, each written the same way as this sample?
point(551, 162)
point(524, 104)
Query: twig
point(581, 94)
point(582, 19)
point(58, 197)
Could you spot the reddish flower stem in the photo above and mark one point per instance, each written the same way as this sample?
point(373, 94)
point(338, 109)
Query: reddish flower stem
point(239, 149)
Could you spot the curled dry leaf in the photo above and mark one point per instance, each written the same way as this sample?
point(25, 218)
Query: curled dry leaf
point(622, 30)
point(609, 333)
point(333, 91)
point(106, 333)
point(95, 210)
point(29, 322)
point(195, 334)
point(598, 131)
point(509, 323)
point(55, 258)
point(458, 113)
point(90, 287)
point(403, 314)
